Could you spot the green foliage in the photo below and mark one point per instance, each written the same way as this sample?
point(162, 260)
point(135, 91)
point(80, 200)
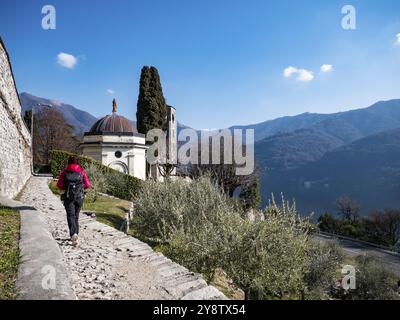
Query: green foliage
point(180, 205)
point(268, 258)
point(98, 182)
point(118, 184)
point(53, 188)
point(251, 195)
point(205, 230)
point(108, 210)
point(373, 282)
point(382, 228)
point(9, 252)
point(151, 106)
point(328, 223)
point(324, 261)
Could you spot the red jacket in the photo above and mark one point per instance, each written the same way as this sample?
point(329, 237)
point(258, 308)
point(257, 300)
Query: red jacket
point(73, 168)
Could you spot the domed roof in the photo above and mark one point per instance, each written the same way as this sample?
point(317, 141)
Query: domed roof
point(113, 123)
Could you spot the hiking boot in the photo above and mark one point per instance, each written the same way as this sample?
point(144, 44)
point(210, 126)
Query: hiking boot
point(74, 240)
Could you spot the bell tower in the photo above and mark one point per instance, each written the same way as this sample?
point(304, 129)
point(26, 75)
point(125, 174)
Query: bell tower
point(171, 136)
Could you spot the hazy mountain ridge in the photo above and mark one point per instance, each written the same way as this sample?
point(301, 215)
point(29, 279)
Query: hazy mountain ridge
point(294, 149)
point(81, 120)
point(284, 124)
point(367, 170)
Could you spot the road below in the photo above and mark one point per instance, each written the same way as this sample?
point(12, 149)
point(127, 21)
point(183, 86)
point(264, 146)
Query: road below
point(352, 248)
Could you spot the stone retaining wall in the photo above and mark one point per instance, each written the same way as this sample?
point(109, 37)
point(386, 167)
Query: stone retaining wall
point(15, 139)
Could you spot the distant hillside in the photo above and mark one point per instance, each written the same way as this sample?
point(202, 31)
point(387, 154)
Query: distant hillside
point(81, 120)
point(284, 125)
point(294, 149)
point(367, 170)
point(355, 123)
point(291, 150)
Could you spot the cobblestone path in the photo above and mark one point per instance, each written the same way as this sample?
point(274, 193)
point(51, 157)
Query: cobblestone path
point(108, 264)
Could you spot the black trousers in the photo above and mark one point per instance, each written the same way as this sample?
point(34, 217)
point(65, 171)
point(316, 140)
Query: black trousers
point(73, 208)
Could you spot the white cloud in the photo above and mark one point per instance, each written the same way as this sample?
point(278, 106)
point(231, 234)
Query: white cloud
point(326, 68)
point(110, 91)
point(289, 71)
point(303, 75)
point(398, 39)
point(66, 60)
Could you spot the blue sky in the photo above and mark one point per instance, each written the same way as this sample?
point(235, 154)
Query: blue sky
point(221, 62)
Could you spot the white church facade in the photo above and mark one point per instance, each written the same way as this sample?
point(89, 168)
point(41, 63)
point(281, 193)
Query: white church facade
point(115, 142)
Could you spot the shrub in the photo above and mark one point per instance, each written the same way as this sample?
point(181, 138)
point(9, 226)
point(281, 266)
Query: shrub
point(381, 227)
point(98, 182)
point(328, 223)
point(206, 247)
point(324, 260)
point(122, 185)
point(166, 207)
point(373, 282)
point(251, 195)
point(119, 184)
point(271, 258)
point(205, 230)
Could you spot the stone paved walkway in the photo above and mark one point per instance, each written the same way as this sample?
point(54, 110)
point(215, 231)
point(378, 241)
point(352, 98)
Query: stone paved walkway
point(108, 264)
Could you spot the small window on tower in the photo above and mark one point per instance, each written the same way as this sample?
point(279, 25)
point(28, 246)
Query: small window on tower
point(173, 118)
point(118, 154)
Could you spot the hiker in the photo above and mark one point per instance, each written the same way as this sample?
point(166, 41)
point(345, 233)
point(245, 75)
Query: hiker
point(74, 180)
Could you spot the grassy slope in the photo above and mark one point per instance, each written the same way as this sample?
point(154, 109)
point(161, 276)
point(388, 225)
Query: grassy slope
point(9, 252)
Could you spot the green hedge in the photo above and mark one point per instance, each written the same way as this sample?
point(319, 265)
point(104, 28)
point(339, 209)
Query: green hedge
point(120, 185)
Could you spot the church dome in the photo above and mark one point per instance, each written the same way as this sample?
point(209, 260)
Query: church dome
point(113, 123)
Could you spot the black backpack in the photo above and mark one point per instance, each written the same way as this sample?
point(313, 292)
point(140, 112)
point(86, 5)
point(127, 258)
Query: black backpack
point(74, 186)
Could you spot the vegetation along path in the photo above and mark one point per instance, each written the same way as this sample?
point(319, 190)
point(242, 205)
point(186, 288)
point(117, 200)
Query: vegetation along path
point(355, 248)
point(108, 264)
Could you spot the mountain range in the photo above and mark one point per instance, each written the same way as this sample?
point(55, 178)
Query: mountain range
point(313, 158)
point(81, 120)
point(354, 153)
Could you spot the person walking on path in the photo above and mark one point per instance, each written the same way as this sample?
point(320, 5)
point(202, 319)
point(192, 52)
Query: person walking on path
point(73, 180)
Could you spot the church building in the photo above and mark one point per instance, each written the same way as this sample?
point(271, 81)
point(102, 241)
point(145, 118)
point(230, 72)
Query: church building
point(115, 142)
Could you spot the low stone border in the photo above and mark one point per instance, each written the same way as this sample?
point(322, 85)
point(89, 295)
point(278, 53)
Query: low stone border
point(41, 274)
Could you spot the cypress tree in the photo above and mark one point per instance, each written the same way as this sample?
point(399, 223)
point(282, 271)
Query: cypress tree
point(155, 85)
point(151, 107)
point(251, 195)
